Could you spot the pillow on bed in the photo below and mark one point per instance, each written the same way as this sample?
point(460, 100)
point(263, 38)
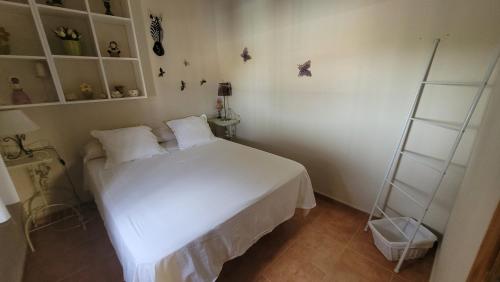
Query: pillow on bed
point(163, 133)
point(128, 144)
point(93, 150)
point(191, 131)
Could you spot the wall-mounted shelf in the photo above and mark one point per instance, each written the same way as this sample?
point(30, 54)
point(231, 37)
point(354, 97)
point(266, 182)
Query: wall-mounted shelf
point(62, 74)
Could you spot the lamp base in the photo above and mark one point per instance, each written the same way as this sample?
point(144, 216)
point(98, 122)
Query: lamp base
point(18, 139)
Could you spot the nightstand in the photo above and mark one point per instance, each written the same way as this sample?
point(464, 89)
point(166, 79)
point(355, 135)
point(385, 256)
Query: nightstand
point(41, 199)
point(229, 125)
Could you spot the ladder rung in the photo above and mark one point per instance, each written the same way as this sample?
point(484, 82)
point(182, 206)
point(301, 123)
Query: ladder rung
point(407, 194)
point(417, 159)
point(446, 125)
point(393, 223)
point(454, 83)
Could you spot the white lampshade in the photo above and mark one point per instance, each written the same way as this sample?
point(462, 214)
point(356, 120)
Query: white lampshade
point(8, 194)
point(4, 213)
point(15, 122)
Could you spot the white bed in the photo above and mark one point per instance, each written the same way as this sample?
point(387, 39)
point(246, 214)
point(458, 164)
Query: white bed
point(180, 216)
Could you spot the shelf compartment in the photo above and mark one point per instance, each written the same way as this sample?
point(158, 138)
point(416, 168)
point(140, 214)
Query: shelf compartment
point(119, 8)
point(122, 34)
point(21, 57)
point(16, 17)
point(69, 6)
point(88, 71)
point(123, 73)
point(110, 19)
point(68, 57)
point(14, 4)
point(35, 80)
point(81, 23)
point(59, 11)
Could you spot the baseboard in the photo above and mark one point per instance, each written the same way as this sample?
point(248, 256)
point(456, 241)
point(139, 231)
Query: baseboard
point(342, 201)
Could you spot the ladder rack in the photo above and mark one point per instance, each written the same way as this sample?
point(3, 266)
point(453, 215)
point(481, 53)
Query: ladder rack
point(390, 176)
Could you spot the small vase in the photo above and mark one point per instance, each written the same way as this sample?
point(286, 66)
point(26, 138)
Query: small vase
point(72, 47)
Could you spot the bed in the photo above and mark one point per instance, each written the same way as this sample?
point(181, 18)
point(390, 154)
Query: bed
point(180, 216)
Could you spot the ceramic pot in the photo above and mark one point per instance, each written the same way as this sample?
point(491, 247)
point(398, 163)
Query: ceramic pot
point(72, 47)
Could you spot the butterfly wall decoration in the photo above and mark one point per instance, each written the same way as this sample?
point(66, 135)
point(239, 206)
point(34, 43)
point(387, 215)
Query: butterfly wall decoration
point(162, 72)
point(245, 55)
point(183, 85)
point(304, 69)
point(157, 34)
point(186, 63)
point(203, 81)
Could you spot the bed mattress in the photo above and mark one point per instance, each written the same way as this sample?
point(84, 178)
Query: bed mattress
point(180, 216)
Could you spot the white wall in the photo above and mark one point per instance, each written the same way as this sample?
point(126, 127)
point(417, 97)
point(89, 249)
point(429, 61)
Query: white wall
point(475, 204)
point(367, 59)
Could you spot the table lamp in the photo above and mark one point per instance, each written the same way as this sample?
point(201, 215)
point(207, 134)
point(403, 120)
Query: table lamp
point(8, 194)
point(14, 124)
point(225, 90)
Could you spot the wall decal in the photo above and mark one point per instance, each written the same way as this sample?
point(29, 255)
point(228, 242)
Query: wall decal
point(304, 69)
point(203, 81)
point(183, 85)
point(186, 63)
point(162, 73)
point(157, 34)
point(245, 55)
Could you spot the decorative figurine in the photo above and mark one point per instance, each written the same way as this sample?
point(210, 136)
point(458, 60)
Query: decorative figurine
point(86, 90)
point(119, 91)
point(219, 107)
point(245, 55)
point(71, 40)
point(19, 97)
point(162, 73)
point(157, 34)
point(133, 93)
point(203, 81)
point(4, 42)
point(304, 69)
point(113, 49)
point(183, 85)
point(57, 3)
point(107, 6)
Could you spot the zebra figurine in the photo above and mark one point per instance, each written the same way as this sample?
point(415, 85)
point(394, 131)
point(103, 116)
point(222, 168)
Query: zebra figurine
point(157, 34)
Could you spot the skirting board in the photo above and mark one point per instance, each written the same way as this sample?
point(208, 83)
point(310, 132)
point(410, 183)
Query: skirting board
point(341, 201)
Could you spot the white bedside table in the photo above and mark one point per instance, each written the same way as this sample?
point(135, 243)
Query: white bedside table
point(229, 125)
point(39, 167)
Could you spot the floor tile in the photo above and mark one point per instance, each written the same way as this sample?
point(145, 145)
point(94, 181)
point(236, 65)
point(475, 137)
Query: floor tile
point(354, 267)
point(326, 245)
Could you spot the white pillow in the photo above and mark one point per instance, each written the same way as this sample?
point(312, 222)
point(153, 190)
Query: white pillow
point(128, 144)
point(191, 131)
point(163, 133)
point(93, 150)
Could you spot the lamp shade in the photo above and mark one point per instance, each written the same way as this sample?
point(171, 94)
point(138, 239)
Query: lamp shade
point(4, 213)
point(225, 89)
point(15, 122)
point(8, 194)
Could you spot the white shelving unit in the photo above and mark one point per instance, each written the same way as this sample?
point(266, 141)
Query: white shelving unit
point(65, 73)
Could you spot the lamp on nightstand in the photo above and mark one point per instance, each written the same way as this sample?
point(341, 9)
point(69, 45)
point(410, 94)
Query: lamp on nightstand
point(224, 91)
point(14, 125)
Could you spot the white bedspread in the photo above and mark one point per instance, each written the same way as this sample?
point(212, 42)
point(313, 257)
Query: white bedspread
point(180, 216)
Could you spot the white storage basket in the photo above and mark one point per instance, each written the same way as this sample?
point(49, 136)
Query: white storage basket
point(392, 243)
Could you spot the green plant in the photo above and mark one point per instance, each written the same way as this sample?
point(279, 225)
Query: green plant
point(66, 33)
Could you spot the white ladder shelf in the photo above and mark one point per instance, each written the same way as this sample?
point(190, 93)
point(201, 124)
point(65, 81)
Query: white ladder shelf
point(390, 176)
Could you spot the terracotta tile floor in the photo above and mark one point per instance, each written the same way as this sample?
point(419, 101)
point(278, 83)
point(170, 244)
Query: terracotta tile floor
point(327, 245)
